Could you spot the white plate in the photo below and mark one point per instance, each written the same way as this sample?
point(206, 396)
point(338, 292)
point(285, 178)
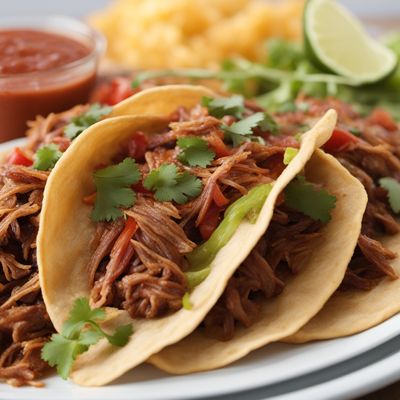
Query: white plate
point(273, 364)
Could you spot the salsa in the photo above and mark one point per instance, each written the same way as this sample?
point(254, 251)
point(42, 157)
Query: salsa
point(23, 51)
point(41, 72)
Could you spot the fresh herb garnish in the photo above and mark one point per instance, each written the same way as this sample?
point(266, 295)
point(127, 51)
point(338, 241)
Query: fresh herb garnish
point(303, 196)
point(393, 189)
point(46, 157)
point(79, 332)
point(289, 154)
point(194, 151)
point(171, 185)
point(222, 106)
point(113, 189)
point(186, 303)
point(81, 122)
point(242, 130)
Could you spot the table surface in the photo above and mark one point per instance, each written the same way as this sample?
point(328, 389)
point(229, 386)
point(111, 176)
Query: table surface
point(380, 16)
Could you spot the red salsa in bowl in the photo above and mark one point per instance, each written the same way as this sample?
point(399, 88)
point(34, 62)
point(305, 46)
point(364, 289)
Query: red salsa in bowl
point(46, 65)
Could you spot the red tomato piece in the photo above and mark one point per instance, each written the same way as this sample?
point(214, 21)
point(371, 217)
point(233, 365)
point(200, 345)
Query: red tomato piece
point(18, 157)
point(137, 146)
point(381, 117)
point(210, 222)
point(120, 90)
point(339, 140)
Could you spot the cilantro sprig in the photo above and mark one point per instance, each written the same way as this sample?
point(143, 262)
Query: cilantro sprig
point(46, 157)
point(194, 151)
point(221, 106)
point(303, 196)
point(393, 189)
point(79, 332)
point(242, 130)
point(171, 185)
point(83, 121)
point(113, 189)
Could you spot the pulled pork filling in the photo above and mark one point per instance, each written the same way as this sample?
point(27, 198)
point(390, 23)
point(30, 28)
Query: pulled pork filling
point(138, 262)
point(369, 148)
point(280, 253)
point(24, 323)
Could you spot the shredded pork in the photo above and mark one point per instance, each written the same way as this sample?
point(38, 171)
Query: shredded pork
point(24, 323)
point(374, 155)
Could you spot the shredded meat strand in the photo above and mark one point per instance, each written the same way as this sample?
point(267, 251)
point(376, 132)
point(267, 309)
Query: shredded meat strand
point(281, 252)
point(24, 323)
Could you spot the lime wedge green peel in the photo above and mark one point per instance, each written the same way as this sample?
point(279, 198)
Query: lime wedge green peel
point(336, 41)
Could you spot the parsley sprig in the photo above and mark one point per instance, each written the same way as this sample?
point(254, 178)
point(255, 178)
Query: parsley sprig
point(46, 157)
point(194, 151)
point(171, 185)
point(303, 196)
point(113, 189)
point(79, 332)
point(83, 121)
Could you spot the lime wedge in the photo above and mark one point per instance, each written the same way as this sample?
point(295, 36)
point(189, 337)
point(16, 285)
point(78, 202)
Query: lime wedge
point(336, 41)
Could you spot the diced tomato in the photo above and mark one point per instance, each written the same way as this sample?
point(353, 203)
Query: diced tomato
point(90, 199)
point(219, 147)
point(120, 90)
point(210, 222)
point(18, 157)
point(113, 92)
point(137, 146)
point(219, 199)
point(383, 118)
point(339, 140)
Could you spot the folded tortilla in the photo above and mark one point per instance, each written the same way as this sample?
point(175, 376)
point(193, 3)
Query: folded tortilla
point(66, 231)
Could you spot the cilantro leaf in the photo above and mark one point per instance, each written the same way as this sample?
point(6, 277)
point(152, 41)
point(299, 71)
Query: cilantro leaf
point(121, 335)
point(289, 154)
point(113, 189)
point(79, 332)
point(269, 124)
point(62, 352)
point(194, 151)
point(393, 189)
point(46, 157)
point(80, 313)
point(222, 106)
point(242, 130)
point(311, 201)
point(81, 122)
point(186, 303)
point(171, 185)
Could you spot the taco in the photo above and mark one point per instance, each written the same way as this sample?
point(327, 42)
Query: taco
point(368, 147)
point(369, 293)
point(24, 324)
point(159, 212)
